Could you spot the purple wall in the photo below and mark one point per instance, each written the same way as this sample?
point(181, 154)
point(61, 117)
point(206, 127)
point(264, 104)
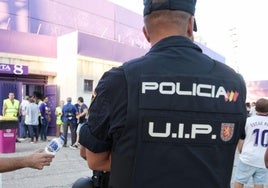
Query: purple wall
point(96, 17)
point(99, 18)
point(51, 93)
point(28, 44)
point(46, 46)
point(106, 49)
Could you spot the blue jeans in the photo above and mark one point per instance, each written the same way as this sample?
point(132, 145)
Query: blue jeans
point(33, 131)
point(23, 128)
point(73, 127)
point(43, 130)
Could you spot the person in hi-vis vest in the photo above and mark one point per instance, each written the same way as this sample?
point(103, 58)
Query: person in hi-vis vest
point(10, 106)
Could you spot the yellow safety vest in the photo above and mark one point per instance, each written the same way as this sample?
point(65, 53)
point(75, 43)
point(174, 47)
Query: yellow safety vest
point(11, 109)
point(58, 112)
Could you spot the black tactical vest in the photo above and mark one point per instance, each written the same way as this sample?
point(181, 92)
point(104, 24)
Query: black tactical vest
point(182, 128)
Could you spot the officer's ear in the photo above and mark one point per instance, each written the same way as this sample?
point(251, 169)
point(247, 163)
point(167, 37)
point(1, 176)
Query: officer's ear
point(146, 34)
point(190, 27)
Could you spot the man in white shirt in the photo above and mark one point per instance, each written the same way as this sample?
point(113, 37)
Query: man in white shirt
point(253, 147)
point(22, 112)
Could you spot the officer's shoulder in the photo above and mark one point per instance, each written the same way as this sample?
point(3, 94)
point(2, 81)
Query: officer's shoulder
point(224, 68)
point(111, 80)
point(134, 62)
point(119, 72)
point(115, 72)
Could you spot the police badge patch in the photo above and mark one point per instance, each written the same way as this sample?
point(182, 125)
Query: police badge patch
point(227, 131)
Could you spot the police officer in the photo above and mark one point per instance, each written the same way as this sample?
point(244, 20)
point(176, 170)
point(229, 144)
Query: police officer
point(171, 118)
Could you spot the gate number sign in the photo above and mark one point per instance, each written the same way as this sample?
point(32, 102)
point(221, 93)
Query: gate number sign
point(13, 69)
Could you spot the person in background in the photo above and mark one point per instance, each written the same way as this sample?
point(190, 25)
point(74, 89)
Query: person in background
point(32, 115)
point(174, 105)
point(69, 113)
point(59, 123)
point(38, 100)
point(44, 111)
point(266, 158)
point(11, 107)
point(252, 149)
point(77, 120)
point(248, 107)
point(36, 160)
point(252, 111)
point(24, 132)
point(81, 117)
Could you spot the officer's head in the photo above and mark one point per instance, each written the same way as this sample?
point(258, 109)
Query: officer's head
point(262, 106)
point(176, 17)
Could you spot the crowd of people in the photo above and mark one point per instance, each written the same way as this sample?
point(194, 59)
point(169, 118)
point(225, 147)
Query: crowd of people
point(34, 115)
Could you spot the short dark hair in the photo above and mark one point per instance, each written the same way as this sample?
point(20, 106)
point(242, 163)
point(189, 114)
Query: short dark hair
point(69, 99)
point(80, 99)
point(262, 105)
